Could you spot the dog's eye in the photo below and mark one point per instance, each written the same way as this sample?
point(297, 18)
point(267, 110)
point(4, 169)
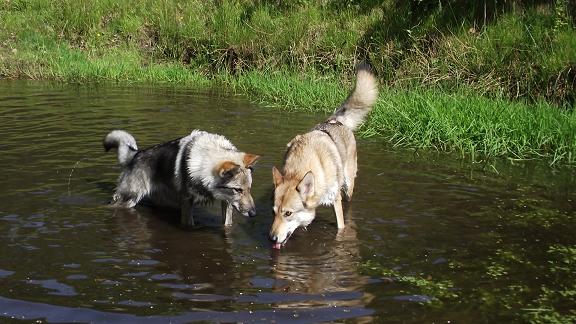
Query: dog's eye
point(287, 213)
point(238, 190)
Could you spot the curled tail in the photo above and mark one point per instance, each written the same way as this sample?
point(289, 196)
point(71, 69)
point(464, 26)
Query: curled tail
point(124, 142)
point(360, 100)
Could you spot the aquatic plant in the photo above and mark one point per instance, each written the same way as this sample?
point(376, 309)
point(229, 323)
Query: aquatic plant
point(431, 290)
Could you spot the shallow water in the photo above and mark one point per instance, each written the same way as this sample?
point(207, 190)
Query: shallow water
point(429, 239)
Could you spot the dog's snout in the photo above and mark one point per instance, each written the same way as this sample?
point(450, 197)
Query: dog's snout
point(273, 237)
point(252, 212)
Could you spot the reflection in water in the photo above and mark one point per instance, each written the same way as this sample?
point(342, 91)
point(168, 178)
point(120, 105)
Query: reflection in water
point(197, 257)
point(197, 267)
point(326, 266)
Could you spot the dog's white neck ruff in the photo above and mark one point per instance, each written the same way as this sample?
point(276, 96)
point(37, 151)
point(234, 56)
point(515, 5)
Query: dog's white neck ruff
point(206, 151)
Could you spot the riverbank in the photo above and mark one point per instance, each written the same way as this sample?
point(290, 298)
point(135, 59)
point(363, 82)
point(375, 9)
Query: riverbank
point(499, 84)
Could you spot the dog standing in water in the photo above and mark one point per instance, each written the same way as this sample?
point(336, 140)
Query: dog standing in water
point(189, 171)
point(322, 163)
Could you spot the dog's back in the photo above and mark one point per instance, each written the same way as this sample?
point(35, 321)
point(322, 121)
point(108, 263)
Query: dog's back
point(147, 173)
point(329, 149)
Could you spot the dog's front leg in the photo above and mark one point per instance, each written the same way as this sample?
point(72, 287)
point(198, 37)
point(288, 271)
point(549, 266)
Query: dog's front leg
point(227, 211)
point(186, 217)
point(338, 211)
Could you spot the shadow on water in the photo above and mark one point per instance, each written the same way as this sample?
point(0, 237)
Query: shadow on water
point(428, 239)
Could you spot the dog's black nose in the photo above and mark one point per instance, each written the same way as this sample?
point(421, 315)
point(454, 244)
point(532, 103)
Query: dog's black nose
point(252, 212)
point(273, 237)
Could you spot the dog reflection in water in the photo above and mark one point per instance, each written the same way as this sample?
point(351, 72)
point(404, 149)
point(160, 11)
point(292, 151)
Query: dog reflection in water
point(150, 232)
point(322, 271)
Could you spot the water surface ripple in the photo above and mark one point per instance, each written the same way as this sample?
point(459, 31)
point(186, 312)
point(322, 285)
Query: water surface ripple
point(418, 221)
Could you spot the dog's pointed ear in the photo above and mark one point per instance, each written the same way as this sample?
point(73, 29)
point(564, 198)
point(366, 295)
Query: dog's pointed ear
point(250, 159)
point(277, 176)
point(306, 186)
point(227, 169)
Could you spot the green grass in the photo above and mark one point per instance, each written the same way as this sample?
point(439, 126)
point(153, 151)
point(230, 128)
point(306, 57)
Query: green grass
point(469, 123)
point(462, 122)
point(447, 73)
point(519, 51)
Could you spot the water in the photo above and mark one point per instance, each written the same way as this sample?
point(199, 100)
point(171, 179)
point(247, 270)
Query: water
point(429, 239)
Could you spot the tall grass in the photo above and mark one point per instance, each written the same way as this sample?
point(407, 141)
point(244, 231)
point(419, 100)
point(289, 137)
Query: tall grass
point(447, 67)
point(471, 124)
point(514, 48)
point(465, 122)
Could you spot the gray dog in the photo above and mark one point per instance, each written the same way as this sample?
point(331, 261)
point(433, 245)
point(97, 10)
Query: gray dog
point(189, 171)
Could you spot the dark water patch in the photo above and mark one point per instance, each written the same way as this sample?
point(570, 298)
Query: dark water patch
point(77, 200)
point(23, 310)
point(428, 239)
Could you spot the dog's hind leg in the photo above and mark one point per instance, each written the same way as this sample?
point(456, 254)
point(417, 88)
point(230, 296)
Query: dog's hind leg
point(227, 211)
point(116, 200)
point(338, 211)
point(123, 201)
point(348, 189)
point(350, 176)
point(186, 216)
point(130, 190)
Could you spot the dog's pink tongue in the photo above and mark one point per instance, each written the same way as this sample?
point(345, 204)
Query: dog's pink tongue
point(277, 246)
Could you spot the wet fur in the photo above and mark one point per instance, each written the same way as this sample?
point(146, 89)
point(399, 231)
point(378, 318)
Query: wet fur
point(321, 164)
point(182, 173)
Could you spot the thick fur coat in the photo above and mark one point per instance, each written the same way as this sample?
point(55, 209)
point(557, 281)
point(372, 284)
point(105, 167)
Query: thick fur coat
point(182, 173)
point(321, 164)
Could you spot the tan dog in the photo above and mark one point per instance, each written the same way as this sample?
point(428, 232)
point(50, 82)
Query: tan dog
point(320, 164)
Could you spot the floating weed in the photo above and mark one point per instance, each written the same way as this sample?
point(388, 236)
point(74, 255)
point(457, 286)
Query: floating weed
point(414, 284)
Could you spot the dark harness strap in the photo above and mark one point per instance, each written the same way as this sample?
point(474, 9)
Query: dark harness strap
point(323, 127)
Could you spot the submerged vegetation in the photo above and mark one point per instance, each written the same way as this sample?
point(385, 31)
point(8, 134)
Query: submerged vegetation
point(424, 290)
point(484, 78)
point(526, 272)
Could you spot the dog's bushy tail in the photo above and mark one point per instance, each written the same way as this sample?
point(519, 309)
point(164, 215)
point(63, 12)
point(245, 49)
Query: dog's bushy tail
point(360, 100)
point(124, 142)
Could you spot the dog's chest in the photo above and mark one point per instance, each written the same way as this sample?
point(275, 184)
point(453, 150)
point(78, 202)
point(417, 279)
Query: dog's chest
point(199, 194)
